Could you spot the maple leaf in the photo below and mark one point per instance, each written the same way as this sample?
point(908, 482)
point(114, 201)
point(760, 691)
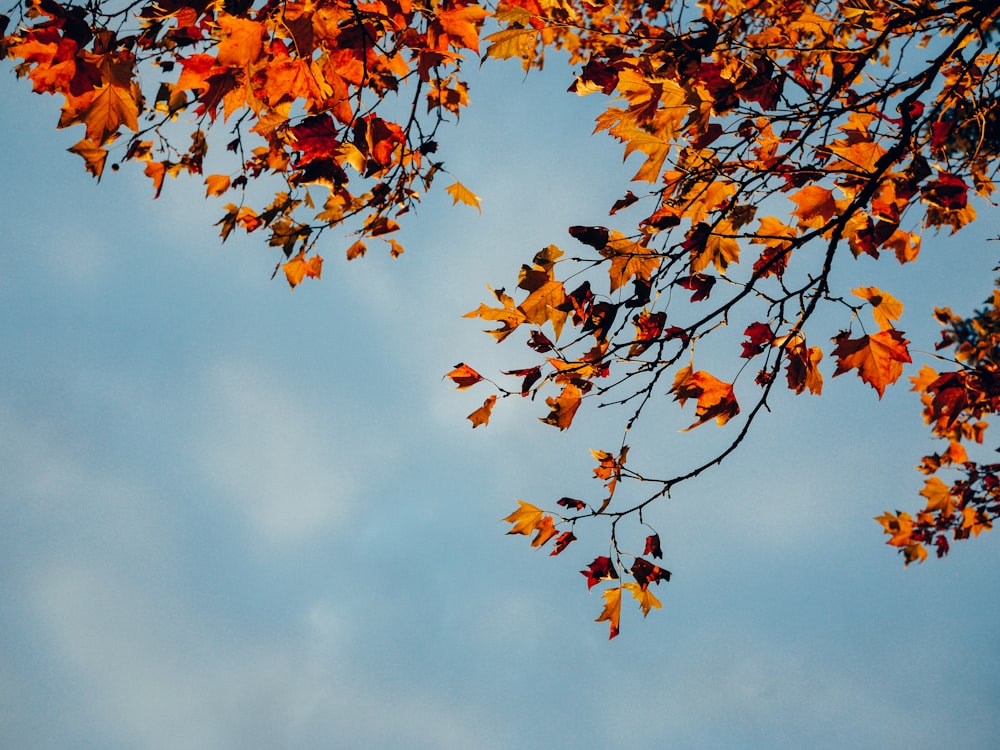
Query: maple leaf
point(562, 542)
point(462, 24)
point(759, 336)
point(514, 42)
point(531, 376)
point(644, 596)
point(653, 546)
point(108, 108)
point(298, 268)
point(601, 569)
point(939, 497)
point(816, 206)
point(878, 358)
point(544, 305)
point(242, 40)
point(885, 308)
point(464, 376)
point(93, 155)
point(563, 407)
point(459, 192)
point(898, 526)
point(482, 414)
point(526, 518)
point(217, 184)
point(646, 573)
point(715, 398)
point(803, 370)
point(612, 610)
point(975, 520)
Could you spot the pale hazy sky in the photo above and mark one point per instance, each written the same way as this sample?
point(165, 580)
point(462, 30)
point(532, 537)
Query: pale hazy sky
point(234, 517)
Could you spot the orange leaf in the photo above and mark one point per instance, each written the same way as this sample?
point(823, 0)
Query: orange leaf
point(298, 268)
point(612, 610)
point(543, 305)
point(110, 108)
point(715, 398)
point(885, 308)
point(816, 205)
point(563, 408)
point(544, 530)
point(462, 25)
point(356, 250)
point(526, 518)
point(217, 184)
point(878, 358)
point(93, 155)
point(242, 40)
point(939, 497)
point(482, 414)
point(464, 376)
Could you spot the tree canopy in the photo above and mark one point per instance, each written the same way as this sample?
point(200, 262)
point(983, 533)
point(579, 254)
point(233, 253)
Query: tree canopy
point(775, 142)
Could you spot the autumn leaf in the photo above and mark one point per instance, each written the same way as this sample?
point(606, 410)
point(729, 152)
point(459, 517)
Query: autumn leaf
point(563, 407)
point(526, 518)
point(816, 206)
point(464, 376)
point(217, 184)
point(299, 267)
point(110, 107)
point(646, 573)
point(601, 569)
point(462, 24)
point(460, 193)
point(482, 414)
point(612, 610)
point(242, 40)
point(878, 358)
point(885, 308)
point(94, 155)
point(562, 542)
point(939, 497)
point(644, 596)
point(715, 398)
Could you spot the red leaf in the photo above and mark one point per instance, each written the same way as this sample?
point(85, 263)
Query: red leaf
point(464, 376)
point(601, 569)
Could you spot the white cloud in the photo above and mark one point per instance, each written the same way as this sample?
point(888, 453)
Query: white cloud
point(154, 676)
point(262, 442)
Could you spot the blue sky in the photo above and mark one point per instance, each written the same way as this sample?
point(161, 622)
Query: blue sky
point(232, 516)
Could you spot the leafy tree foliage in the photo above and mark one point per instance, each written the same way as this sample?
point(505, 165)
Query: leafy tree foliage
point(774, 140)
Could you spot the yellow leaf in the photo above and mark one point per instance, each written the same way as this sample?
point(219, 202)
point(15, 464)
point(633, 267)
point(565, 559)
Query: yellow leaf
point(543, 305)
point(885, 307)
point(459, 192)
point(645, 598)
point(721, 249)
point(939, 497)
point(612, 610)
point(511, 43)
point(525, 519)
